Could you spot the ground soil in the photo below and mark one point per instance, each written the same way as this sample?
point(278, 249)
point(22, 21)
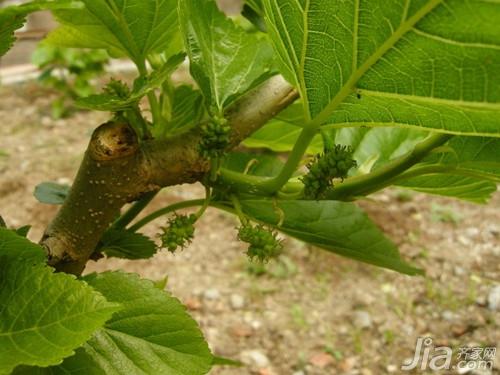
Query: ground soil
point(310, 313)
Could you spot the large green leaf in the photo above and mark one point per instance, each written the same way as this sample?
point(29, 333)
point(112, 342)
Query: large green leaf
point(473, 156)
point(226, 61)
point(152, 335)
point(44, 316)
point(135, 28)
point(422, 63)
point(14, 17)
point(78, 364)
point(466, 168)
point(472, 189)
point(338, 227)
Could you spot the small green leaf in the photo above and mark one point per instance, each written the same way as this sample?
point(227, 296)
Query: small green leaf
point(142, 86)
point(152, 335)
point(225, 60)
point(339, 227)
point(44, 316)
point(126, 244)
point(186, 110)
point(51, 192)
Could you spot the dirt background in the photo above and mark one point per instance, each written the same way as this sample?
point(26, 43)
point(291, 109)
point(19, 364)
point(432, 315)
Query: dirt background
point(311, 312)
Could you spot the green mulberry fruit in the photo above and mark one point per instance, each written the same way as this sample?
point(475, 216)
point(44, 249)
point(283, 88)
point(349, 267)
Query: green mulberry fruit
point(333, 163)
point(117, 88)
point(214, 138)
point(263, 242)
point(179, 232)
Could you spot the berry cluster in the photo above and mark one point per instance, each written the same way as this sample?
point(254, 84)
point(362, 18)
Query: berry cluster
point(214, 138)
point(263, 242)
point(117, 88)
point(180, 230)
point(333, 163)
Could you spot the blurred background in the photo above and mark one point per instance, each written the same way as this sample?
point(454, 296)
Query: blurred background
point(309, 312)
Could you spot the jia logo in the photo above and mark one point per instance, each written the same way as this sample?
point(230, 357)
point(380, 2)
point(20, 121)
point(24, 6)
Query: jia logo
point(440, 358)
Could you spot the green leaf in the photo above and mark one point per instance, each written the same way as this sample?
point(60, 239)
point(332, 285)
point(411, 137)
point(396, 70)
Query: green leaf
point(339, 227)
point(473, 156)
point(253, 164)
point(429, 63)
point(280, 136)
point(14, 246)
point(225, 60)
point(450, 185)
point(23, 231)
point(384, 144)
point(10, 21)
point(44, 316)
point(465, 168)
point(114, 25)
point(152, 335)
point(78, 364)
point(280, 133)
point(80, 29)
point(14, 17)
point(142, 86)
point(186, 110)
point(126, 244)
point(254, 12)
point(51, 192)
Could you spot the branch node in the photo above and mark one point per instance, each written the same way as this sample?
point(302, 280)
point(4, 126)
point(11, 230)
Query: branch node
point(113, 140)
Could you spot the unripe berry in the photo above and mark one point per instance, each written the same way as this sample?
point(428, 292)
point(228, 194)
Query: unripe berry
point(333, 163)
point(179, 232)
point(263, 242)
point(214, 138)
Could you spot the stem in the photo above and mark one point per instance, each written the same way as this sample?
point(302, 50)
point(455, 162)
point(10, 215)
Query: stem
point(293, 161)
point(238, 210)
point(328, 142)
point(152, 99)
point(134, 210)
point(208, 197)
point(384, 176)
point(138, 122)
point(166, 210)
point(271, 185)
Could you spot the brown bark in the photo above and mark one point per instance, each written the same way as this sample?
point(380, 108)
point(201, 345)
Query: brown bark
point(117, 169)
